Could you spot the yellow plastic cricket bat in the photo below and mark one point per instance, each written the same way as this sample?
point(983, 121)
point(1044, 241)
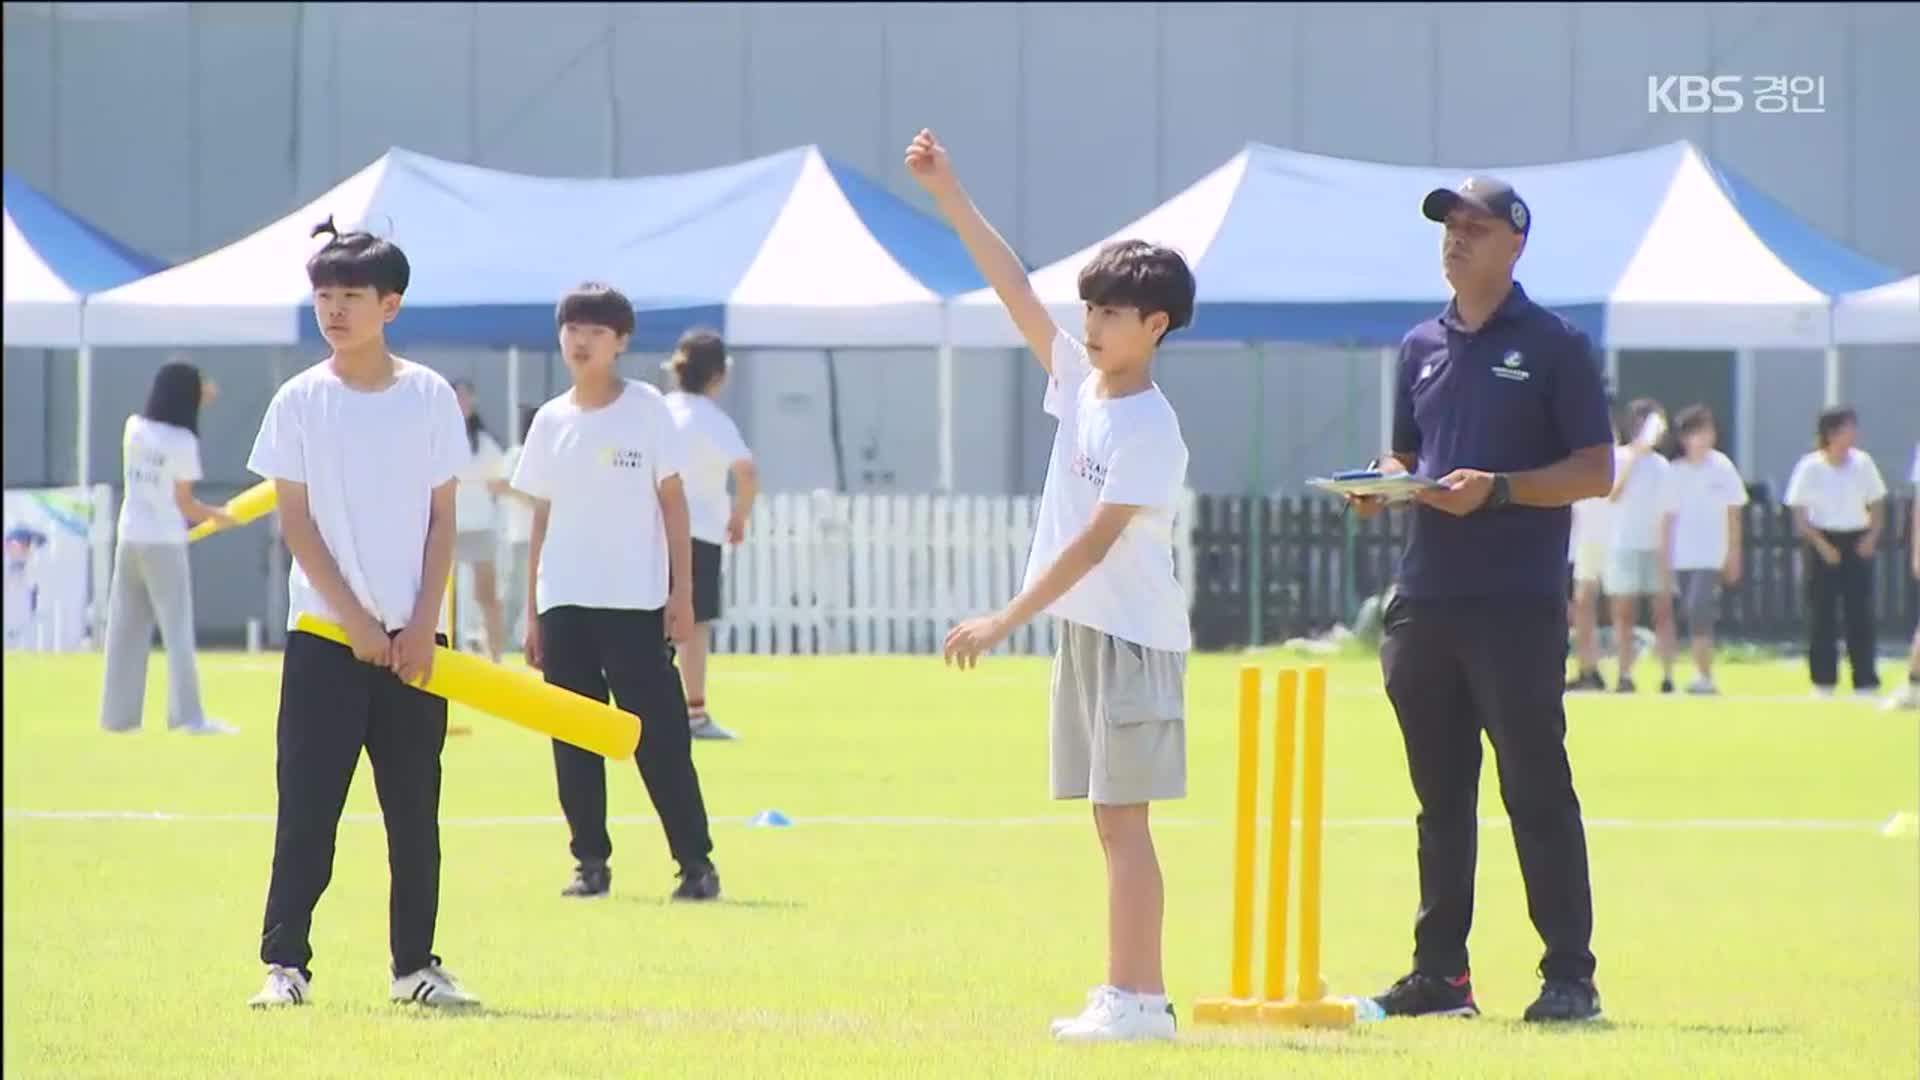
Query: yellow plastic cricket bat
point(249, 506)
point(519, 698)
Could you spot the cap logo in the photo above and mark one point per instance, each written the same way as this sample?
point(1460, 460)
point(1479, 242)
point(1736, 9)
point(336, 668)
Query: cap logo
point(1518, 213)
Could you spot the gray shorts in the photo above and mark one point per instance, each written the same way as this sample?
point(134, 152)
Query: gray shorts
point(1631, 572)
point(1699, 599)
point(1119, 731)
point(474, 546)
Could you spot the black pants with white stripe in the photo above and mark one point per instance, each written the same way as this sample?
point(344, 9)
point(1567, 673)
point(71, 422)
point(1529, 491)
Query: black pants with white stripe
point(331, 706)
point(1832, 590)
point(594, 651)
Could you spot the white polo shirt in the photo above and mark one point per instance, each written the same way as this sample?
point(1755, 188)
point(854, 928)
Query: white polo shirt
point(1836, 496)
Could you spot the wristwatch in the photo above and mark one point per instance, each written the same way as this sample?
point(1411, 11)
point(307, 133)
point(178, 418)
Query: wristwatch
point(1501, 495)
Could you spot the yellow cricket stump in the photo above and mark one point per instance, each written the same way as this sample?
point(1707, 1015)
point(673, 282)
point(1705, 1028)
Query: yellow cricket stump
point(1309, 1006)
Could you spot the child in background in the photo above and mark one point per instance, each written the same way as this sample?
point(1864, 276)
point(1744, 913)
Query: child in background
point(1908, 696)
point(516, 515)
point(1639, 562)
point(1592, 527)
point(1705, 494)
point(152, 581)
point(476, 545)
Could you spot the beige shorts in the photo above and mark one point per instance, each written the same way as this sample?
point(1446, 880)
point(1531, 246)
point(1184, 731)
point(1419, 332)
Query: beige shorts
point(1119, 729)
point(1589, 562)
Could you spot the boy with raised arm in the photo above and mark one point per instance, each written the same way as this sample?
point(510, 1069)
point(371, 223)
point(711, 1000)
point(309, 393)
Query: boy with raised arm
point(1102, 563)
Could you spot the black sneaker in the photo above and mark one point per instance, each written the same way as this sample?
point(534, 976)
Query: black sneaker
point(702, 883)
point(1666, 685)
point(1623, 685)
point(1565, 1000)
point(1587, 680)
point(1420, 994)
point(590, 879)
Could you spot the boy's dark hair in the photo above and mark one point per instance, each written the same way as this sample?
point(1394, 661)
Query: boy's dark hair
point(594, 304)
point(358, 260)
point(174, 397)
point(1693, 418)
point(1830, 422)
point(699, 359)
point(1147, 277)
point(474, 424)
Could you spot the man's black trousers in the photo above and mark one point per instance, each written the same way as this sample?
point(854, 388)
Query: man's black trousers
point(332, 705)
point(1454, 669)
point(591, 651)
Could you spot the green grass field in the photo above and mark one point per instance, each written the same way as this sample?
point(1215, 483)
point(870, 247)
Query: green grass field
point(930, 910)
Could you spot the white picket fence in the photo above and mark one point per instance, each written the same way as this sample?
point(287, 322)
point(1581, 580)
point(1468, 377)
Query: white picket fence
point(826, 573)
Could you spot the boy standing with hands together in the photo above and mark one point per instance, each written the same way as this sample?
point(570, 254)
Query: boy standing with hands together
point(1102, 562)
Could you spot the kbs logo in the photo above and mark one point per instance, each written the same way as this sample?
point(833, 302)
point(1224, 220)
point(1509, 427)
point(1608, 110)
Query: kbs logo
point(1695, 94)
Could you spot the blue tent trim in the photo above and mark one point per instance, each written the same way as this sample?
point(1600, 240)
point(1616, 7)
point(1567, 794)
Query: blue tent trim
point(923, 245)
point(87, 259)
point(1822, 263)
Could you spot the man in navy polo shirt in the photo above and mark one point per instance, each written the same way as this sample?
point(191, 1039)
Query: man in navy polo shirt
point(1500, 401)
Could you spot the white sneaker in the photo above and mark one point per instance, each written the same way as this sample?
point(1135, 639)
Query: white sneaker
point(1701, 685)
point(701, 726)
point(1097, 1006)
point(1904, 697)
point(284, 986)
point(1823, 692)
point(1122, 1017)
point(434, 986)
point(208, 727)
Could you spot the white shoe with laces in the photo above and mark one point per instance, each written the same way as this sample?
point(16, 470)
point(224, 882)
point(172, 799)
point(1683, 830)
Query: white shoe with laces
point(1117, 1016)
point(284, 986)
point(432, 986)
point(1096, 1005)
point(1905, 697)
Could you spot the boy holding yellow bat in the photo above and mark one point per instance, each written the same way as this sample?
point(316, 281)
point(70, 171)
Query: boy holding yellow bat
point(363, 449)
point(612, 562)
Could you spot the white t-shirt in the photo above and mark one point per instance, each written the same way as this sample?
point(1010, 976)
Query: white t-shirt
point(1638, 512)
point(601, 469)
point(1700, 495)
point(514, 513)
point(370, 461)
point(1127, 451)
point(1592, 524)
point(710, 443)
point(473, 502)
point(1836, 497)
point(155, 458)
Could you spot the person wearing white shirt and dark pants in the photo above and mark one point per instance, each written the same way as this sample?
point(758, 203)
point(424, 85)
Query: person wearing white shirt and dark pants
point(1705, 497)
point(1837, 495)
point(364, 450)
point(151, 582)
point(711, 450)
point(613, 594)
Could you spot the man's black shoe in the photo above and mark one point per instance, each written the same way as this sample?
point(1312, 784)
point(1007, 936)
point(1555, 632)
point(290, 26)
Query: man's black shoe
point(590, 879)
point(1565, 1000)
point(1420, 994)
point(698, 883)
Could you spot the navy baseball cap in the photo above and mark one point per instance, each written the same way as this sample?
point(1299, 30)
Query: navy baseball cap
point(1483, 193)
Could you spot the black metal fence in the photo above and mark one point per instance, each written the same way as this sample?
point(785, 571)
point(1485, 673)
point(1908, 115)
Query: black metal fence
point(1311, 565)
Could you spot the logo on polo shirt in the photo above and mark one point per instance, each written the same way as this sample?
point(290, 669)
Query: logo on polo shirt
point(622, 459)
point(1090, 470)
point(1510, 367)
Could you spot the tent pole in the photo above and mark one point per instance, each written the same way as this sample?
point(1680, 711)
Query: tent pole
point(1832, 397)
point(1613, 370)
point(944, 394)
point(83, 412)
point(513, 396)
point(1389, 365)
point(1256, 507)
point(1743, 420)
